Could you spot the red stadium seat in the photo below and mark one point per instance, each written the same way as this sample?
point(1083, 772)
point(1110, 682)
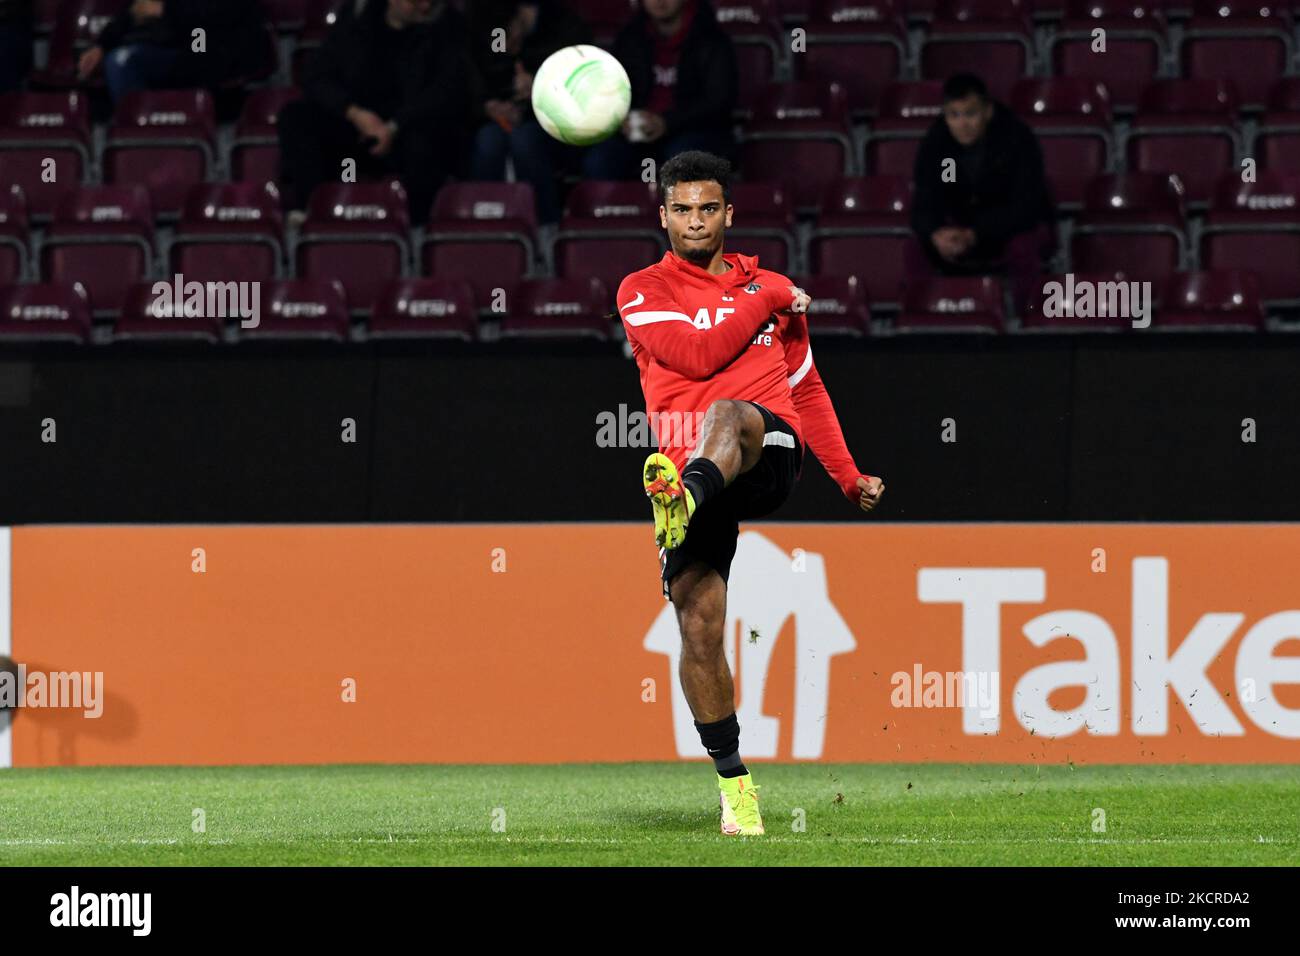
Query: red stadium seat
point(839, 306)
point(44, 312)
point(483, 233)
point(425, 308)
point(1136, 43)
point(302, 309)
point(287, 15)
point(1047, 11)
point(39, 127)
point(1256, 227)
point(101, 236)
point(1133, 223)
point(755, 32)
point(358, 233)
point(952, 305)
point(317, 20)
point(799, 126)
point(44, 15)
point(794, 11)
point(605, 17)
point(1223, 301)
point(1277, 137)
point(863, 230)
point(609, 229)
point(763, 224)
point(1071, 118)
point(76, 27)
point(146, 316)
point(1187, 127)
point(991, 38)
point(230, 233)
point(558, 308)
point(163, 140)
point(860, 44)
point(14, 239)
point(1247, 43)
point(907, 111)
point(1082, 293)
point(255, 151)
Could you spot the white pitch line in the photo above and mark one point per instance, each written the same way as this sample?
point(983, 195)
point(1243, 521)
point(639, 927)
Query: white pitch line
point(615, 841)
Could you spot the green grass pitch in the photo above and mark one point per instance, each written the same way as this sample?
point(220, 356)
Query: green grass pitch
point(651, 814)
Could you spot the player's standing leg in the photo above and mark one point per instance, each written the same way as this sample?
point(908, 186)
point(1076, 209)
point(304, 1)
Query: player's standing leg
point(731, 443)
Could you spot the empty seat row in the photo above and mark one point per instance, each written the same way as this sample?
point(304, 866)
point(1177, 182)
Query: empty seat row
point(484, 233)
point(572, 308)
point(166, 142)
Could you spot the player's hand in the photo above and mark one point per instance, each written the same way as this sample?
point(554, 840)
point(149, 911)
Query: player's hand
point(800, 301)
point(89, 62)
point(870, 490)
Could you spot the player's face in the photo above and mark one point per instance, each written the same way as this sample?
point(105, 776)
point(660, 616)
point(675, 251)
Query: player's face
point(967, 118)
point(696, 217)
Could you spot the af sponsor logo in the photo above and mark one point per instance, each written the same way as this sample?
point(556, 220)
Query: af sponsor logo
point(704, 319)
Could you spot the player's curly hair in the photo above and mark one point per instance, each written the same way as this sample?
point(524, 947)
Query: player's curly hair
point(695, 166)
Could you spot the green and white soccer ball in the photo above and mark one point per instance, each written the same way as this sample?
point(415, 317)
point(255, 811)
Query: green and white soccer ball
point(581, 95)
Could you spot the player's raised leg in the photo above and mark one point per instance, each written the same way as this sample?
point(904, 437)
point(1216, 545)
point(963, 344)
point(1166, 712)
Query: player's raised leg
point(731, 442)
point(700, 597)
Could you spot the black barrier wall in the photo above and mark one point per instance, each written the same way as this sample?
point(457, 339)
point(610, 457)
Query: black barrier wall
point(1138, 427)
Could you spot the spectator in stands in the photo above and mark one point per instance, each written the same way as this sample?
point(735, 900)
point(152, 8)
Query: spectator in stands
point(989, 211)
point(391, 88)
point(15, 43)
point(152, 45)
point(534, 30)
point(684, 86)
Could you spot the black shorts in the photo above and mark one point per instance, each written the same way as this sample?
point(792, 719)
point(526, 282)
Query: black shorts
point(713, 530)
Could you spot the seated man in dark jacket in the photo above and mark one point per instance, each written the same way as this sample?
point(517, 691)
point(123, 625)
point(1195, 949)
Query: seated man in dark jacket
point(682, 67)
point(152, 45)
point(989, 210)
point(506, 126)
point(390, 88)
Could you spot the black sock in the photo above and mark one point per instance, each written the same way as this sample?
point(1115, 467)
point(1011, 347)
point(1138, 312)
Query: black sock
point(722, 740)
point(703, 479)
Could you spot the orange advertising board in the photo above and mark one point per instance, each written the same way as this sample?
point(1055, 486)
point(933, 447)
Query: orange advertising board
point(552, 642)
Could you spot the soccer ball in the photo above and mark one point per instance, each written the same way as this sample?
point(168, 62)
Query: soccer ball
point(581, 95)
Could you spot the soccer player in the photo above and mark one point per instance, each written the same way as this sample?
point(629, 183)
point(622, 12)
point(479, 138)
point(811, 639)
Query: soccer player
point(717, 338)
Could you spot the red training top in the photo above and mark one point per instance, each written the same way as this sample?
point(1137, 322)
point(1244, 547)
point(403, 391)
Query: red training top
point(699, 337)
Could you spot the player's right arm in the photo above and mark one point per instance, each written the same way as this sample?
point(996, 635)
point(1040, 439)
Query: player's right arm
point(653, 318)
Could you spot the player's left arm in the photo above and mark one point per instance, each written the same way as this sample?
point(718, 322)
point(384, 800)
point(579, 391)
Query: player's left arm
point(821, 426)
